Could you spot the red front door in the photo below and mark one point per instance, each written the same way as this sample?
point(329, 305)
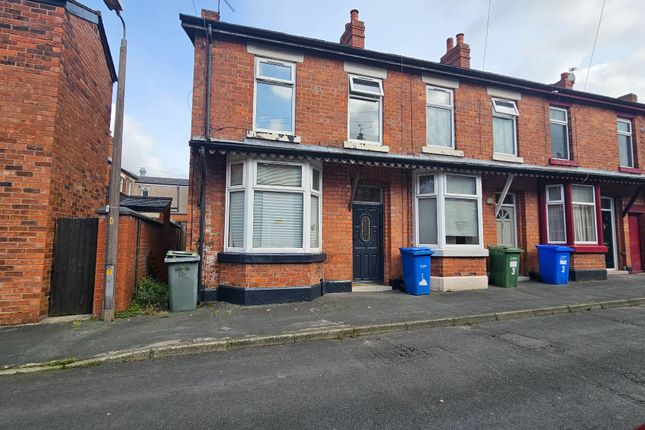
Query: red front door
point(635, 242)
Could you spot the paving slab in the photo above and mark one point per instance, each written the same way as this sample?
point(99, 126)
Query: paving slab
point(221, 321)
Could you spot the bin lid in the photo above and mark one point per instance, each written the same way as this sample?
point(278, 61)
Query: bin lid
point(512, 250)
point(416, 251)
point(181, 256)
point(554, 248)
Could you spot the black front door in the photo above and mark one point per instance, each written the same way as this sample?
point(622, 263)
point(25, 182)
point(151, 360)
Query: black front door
point(608, 234)
point(367, 238)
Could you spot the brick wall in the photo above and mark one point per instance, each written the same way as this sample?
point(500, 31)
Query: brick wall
point(321, 110)
point(55, 93)
point(143, 244)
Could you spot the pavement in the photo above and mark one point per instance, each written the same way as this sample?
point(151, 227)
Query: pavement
point(223, 326)
point(582, 370)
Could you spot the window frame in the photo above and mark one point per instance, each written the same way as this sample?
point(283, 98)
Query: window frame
point(440, 194)
point(274, 81)
point(560, 202)
point(595, 214)
point(360, 95)
point(565, 123)
point(450, 107)
point(630, 135)
point(503, 115)
point(250, 186)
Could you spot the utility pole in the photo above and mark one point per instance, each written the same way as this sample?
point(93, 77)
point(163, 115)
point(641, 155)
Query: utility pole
point(115, 177)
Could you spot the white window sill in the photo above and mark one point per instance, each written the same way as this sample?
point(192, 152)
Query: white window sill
point(509, 158)
point(459, 252)
point(350, 144)
point(442, 150)
point(269, 135)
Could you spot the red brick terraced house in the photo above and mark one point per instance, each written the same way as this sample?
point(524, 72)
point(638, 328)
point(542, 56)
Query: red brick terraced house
point(56, 79)
point(313, 162)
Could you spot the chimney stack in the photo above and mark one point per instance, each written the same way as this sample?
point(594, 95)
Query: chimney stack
point(631, 97)
point(567, 79)
point(354, 34)
point(210, 15)
point(457, 55)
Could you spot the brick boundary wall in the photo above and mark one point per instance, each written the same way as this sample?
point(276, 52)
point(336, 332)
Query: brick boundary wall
point(154, 240)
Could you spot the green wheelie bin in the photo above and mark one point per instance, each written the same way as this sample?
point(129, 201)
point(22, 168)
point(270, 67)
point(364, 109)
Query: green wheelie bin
point(504, 265)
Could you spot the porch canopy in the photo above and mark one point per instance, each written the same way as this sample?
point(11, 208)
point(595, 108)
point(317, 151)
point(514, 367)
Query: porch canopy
point(289, 151)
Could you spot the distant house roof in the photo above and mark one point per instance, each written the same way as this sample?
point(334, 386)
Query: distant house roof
point(156, 180)
point(75, 8)
point(146, 204)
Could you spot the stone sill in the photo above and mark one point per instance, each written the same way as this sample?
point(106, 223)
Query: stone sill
point(561, 162)
point(457, 252)
point(351, 144)
point(276, 137)
point(442, 150)
point(497, 156)
point(632, 170)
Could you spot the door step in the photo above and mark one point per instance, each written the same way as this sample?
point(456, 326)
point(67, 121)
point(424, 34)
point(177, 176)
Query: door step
point(370, 288)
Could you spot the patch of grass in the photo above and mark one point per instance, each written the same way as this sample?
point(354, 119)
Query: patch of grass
point(151, 298)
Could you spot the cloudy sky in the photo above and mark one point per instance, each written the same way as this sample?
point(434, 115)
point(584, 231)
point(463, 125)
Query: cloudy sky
point(535, 40)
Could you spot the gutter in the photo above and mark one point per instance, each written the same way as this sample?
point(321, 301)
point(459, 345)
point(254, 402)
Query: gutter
point(192, 24)
point(334, 154)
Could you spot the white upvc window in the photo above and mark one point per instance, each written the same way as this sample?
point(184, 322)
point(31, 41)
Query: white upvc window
point(583, 203)
point(448, 210)
point(440, 117)
point(273, 206)
point(505, 115)
point(555, 217)
point(275, 96)
point(365, 110)
point(559, 126)
point(625, 142)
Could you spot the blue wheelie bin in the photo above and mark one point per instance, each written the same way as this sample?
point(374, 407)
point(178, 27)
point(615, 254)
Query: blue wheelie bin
point(416, 270)
point(554, 263)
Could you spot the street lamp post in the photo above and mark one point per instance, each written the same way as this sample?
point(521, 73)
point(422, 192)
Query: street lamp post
point(115, 176)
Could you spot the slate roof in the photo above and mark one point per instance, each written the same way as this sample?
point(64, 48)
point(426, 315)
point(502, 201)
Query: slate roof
point(157, 180)
point(145, 204)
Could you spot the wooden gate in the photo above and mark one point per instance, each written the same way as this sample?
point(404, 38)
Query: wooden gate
point(73, 266)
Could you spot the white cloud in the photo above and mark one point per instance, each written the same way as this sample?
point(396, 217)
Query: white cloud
point(140, 149)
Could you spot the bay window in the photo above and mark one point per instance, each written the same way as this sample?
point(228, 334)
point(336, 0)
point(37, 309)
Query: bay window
point(439, 117)
point(555, 218)
point(448, 210)
point(274, 103)
point(365, 109)
point(505, 126)
point(583, 203)
point(571, 207)
point(273, 206)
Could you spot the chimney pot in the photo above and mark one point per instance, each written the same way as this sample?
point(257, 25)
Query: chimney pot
point(460, 38)
point(354, 34)
point(449, 44)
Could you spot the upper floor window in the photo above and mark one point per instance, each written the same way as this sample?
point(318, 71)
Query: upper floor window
point(448, 210)
point(559, 124)
point(505, 126)
point(365, 109)
point(625, 142)
point(555, 218)
point(274, 96)
point(273, 206)
point(439, 117)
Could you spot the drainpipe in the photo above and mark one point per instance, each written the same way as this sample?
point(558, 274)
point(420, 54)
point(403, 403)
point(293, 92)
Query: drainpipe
point(202, 156)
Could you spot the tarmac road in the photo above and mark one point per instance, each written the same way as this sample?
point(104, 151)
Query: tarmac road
point(583, 370)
